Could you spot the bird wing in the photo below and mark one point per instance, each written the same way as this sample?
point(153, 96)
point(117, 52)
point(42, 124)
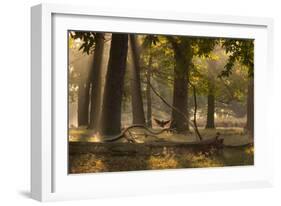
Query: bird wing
point(158, 121)
point(166, 122)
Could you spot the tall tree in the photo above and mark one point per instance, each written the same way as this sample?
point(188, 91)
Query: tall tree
point(137, 103)
point(183, 56)
point(111, 109)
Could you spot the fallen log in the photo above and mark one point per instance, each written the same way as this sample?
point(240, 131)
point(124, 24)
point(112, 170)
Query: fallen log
point(141, 148)
point(250, 144)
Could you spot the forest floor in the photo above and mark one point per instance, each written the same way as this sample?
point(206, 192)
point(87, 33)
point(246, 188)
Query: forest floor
point(86, 155)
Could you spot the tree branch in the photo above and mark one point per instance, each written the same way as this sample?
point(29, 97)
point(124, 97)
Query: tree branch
point(194, 126)
point(122, 134)
point(195, 111)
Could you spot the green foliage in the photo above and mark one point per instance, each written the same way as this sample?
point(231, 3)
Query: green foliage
point(159, 50)
point(239, 50)
point(203, 46)
point(88, 39)
point(149, 41)
point(209, 58)
point(229, 91)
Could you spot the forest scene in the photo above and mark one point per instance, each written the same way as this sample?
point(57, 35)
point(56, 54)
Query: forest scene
point(149, 101)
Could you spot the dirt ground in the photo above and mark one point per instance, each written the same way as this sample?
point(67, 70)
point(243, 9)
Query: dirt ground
point(86, 155)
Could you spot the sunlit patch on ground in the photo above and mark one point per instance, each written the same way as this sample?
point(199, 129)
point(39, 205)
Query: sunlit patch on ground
point(162, 162)
point(87, 163)
point(232, 136)
point(123, 159)
point(171, 158)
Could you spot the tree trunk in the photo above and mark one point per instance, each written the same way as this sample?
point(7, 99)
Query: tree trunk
point(83, 92)
point(137, 103)
point(95, 78)
point(210, 124)
point(250, 109)
point(211, 111)
point(182, 52)
point(83, 103)
point(148, 94)
point(111, 109)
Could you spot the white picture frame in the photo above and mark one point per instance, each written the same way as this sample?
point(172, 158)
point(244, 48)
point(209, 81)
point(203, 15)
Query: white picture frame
point(49, 178)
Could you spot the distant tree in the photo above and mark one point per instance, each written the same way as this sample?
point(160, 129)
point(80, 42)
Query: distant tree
point(83, 99)
point(95, 79)
point(211, 96)
point(215, 58)
point(90, 91)
point(148, 42)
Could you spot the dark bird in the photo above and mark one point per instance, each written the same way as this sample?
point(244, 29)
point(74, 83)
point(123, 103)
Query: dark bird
point(161, 123)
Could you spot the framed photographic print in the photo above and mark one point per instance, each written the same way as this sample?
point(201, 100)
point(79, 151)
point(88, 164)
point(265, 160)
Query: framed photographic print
point(137, 102)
